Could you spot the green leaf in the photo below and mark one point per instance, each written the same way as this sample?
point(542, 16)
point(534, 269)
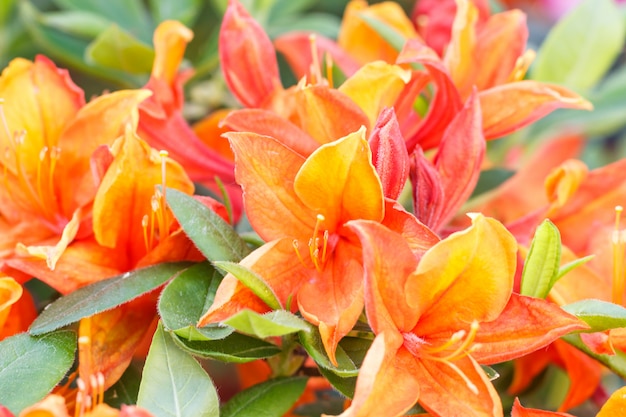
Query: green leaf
point(388, 33)
point(237, 348)
point(541, 268)
point(322, 23)
point(215, 238)
point(274, 323)
point(31, 366)
point(79, 23)
point(129, 14)
point(126, 389)
point(253, 281)
point(185, 11)
point(186, 298)
point(616, 363)
point(272, 398)
point(103, 295)
point(174, 383)
point(581, 48)
point(312, 342)
point(119, 50)
point(599, 315)
point(564, 269)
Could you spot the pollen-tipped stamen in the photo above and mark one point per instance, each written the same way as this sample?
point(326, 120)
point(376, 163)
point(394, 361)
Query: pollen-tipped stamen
point(618, 246)
point(329, 70)
point(316, 75)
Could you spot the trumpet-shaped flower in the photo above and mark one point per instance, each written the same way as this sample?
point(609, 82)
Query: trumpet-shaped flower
point(437, 318)
point(300, 206)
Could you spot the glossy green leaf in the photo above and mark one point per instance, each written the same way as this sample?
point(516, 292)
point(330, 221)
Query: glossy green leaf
point(616, 363)
point(388, 33)
point(312, 342)
point(186, 298)
point(274, 323)
point(185, 11)
point(581, 48)
point(31, 366)
point(126, 389)
point(541, 268)
point(174, 384)
point(253, 281)
point(269, 399)
point(79, 23)
point(215, 238)
point(237, 348)
point(104, 295)
point(599, 315)
point(119, 50)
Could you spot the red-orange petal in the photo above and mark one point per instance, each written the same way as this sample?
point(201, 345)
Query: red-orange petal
point(519, 411)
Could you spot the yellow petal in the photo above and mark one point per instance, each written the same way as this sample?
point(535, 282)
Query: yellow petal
point(10, 292)
point(170, 40)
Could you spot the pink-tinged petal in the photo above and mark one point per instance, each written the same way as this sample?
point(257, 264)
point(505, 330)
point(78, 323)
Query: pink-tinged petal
point(296, 47)
point(459, 159)
point(375, 86)
point(526, 324)
point(584, 374)
point(446, 103)
point(509, 107)
point(389, 154)
point(388, 263)
point(277, 263)
point(444, 392)
point(519, 411)
point(408, 117)
point(134, 411)
point(387, 368)
point(428, 193)
point(473, 269)
point(263, 167)
point(339, 182)
point(417, 235)
point(4, 412)
point(332, 298)
point(247, 56)
point(268, 123)
point(616, 404)
point(598, 342)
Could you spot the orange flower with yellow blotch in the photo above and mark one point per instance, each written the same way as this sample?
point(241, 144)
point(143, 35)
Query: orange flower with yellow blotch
point(437, 318)
point(300, 206)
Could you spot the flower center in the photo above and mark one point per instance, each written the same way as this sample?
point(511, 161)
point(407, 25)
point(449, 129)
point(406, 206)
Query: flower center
point(155, 225)
point(318, 246)
point(30, 189)
point(460, 345)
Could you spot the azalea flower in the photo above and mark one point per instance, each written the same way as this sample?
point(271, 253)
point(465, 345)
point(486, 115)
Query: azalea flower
point(17, 309)
point(55, 406)
point(310, 257)
point(437, 318)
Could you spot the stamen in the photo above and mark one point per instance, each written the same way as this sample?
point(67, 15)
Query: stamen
point(329, 70)
point(81, 399)
point(521, 66)
point(617, 243)
point(145, 221)
point(295, 247)
point(316, 76)
point(163, 154)
point(464, 350)
point(325, 246)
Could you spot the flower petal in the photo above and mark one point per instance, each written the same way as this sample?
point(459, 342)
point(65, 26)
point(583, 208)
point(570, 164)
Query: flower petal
point(519, 411)
point(526, 324)
point(339, 181)
point(466, 277)
point(616, 404)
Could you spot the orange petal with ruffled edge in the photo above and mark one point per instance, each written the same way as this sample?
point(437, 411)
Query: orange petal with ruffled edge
point(247, 56)
point(387, 367)
point(170, 40)
point(526, 325)
point(519, 411)
point(459, 55)
point(51, 406)
point(512, 106)
point(125, 196)
point(417, 235)
point(10, 292)
point(374, 86)
point(107, 340)
point(473, 268)
point(265, 168)
point(339, 181)
point(615, 405)
point(362, 42)
point(445, 393)
point(210, 129)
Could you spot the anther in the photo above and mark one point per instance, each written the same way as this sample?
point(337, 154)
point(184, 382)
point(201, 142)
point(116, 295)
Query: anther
point(316, 76)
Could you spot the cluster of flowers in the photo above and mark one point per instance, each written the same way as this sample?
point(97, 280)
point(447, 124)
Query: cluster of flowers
point(356, 182)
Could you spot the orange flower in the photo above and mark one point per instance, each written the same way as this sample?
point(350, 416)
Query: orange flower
point(437, 318)
point(311, 257)
point(17, 309)
point(54, 406)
